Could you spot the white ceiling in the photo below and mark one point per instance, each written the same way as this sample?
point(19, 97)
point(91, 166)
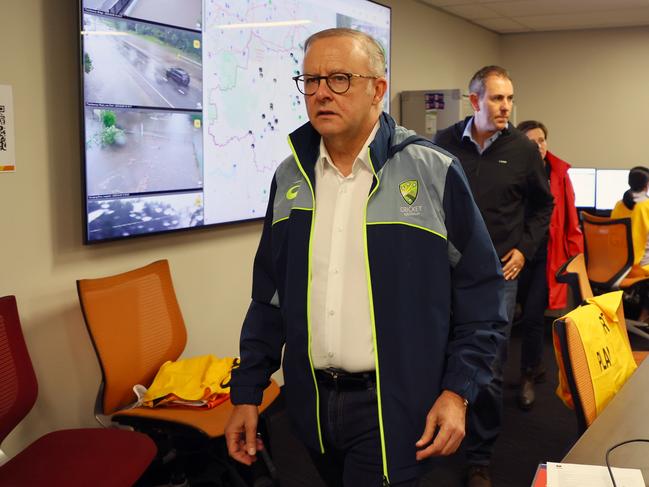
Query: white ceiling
point(512, 16)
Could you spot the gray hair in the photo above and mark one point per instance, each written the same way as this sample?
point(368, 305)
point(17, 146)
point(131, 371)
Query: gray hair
point(374, 50)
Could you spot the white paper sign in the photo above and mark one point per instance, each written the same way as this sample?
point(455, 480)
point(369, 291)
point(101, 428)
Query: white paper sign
point(573, 475)
point(7, 145)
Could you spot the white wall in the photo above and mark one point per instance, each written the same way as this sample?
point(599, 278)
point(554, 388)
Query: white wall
point(433, 50)
point(589, 88)
point(41, 254)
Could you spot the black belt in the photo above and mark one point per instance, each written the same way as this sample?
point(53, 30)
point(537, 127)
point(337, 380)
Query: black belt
point(345, 381)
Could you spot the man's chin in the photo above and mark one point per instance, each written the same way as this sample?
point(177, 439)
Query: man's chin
point(325, 128)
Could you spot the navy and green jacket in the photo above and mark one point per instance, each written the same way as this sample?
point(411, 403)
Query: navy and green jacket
point(436, 289)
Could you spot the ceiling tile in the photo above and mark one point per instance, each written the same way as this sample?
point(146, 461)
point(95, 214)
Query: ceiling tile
point(506, 16)
point(502, 25)
point(444, 3)
point(588, 20)
point(559, 7)
point(472, 12)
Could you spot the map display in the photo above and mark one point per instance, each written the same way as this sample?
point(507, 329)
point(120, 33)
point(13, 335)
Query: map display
point(250, 101)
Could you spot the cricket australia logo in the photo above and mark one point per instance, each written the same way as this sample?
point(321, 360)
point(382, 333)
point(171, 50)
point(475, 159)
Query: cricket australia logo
point(409, 190)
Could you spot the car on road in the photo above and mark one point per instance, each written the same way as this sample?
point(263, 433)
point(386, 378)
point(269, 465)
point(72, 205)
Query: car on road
point(179, 75)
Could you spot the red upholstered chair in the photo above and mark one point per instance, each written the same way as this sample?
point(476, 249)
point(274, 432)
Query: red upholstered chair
point(75, 457)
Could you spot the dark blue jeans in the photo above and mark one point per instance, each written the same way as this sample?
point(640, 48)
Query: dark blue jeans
point(352, 441)
point(533, 295)
point(485, 415)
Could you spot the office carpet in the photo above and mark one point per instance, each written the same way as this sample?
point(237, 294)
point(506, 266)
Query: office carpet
point(545, 433)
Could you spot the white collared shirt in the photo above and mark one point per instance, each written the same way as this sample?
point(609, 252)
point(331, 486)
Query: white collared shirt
point(341, 327)
point(487, 143)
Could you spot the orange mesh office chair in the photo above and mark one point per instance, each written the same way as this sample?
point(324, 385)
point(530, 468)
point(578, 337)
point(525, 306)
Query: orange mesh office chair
point(609, 252)
point(136, 325)
point(608, 248)
point(575, 367)
point(73, 457)
point(567, 339)
point(573, 272)
point(609, 261)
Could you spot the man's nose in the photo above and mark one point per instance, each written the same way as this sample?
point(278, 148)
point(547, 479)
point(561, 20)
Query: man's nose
point(323, 91)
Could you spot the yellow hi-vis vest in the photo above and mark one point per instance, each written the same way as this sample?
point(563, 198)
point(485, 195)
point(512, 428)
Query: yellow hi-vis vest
point(191, 379)
point(607, 348)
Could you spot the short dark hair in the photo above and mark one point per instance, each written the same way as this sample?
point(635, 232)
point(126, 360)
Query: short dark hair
point(528, 125)
point(477, 83)
point(638, 180)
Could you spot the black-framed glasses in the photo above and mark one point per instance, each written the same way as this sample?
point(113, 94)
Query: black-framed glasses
point(339, 83)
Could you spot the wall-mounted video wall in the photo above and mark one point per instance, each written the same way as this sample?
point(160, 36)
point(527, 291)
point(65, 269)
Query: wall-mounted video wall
point(187, 104)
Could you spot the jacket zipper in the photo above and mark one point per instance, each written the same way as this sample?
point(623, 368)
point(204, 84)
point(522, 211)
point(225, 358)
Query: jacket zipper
point(386, 480)
point(308, 297)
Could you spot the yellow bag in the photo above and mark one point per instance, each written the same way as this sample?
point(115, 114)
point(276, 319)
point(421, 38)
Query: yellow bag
point(607, 348)
point(191, 379)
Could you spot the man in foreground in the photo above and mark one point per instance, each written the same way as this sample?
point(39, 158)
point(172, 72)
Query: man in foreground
point(376, 274)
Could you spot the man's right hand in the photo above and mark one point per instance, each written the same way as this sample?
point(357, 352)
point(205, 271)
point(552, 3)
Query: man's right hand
point(241, 434)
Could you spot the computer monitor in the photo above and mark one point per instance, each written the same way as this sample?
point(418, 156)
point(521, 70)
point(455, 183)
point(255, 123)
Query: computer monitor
point(610, 187)
point(583, 182)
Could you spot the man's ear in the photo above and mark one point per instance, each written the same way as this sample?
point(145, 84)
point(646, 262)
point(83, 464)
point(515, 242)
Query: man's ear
point(380, 87)
point(474, 99)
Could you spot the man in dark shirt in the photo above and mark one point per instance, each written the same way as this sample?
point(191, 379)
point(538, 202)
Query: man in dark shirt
point(506, 175)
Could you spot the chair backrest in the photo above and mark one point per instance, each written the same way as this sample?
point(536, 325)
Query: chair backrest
point(575, 367)
point(609, 249)
point(18, 386)
point(573, 272)
point(135, 325)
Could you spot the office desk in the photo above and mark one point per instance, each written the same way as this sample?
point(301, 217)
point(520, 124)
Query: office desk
point(626, 417)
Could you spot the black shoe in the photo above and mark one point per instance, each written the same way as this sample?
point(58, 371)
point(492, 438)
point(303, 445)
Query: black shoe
point(526, 395)
point(478, 476)
point(529, 377)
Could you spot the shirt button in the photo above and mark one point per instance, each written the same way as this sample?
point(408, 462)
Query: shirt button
point(340, 229)
point(330, 354)
point(336, 271)
point(331, 312)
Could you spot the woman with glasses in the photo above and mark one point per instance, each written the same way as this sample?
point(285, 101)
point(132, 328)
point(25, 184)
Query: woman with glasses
point(538, 288)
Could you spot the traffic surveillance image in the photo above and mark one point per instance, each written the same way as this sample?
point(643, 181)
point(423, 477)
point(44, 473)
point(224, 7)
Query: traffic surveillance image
point(133, 63)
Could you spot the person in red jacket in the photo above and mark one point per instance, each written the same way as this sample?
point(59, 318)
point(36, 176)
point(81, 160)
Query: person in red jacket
point(538, 287)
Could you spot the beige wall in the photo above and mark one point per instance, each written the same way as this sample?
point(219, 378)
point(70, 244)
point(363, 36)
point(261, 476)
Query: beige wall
point(41, 254)
point(432, 50)
point(589, 88)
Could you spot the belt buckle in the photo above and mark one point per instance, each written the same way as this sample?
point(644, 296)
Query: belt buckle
point(333, 376)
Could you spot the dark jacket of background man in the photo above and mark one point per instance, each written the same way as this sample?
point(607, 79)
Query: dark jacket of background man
point(509, 185)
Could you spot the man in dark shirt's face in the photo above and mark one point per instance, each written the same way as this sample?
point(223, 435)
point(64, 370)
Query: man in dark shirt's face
point(492, 107)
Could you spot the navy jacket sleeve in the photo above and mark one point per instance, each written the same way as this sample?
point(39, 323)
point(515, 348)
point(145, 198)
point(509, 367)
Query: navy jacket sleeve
point(262, 335)
point(478, 315)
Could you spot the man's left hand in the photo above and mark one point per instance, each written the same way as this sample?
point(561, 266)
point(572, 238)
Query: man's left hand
point(513, 263)
point(449, 415)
